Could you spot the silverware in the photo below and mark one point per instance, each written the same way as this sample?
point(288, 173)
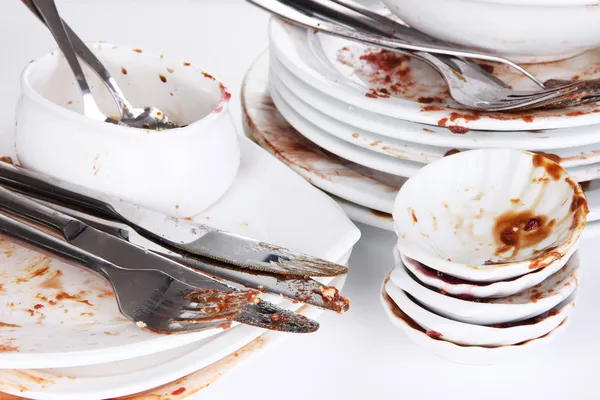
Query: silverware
point(174, 234)
point(151, 290)
point(146, 117)
point(305, 290)
point(466, 83)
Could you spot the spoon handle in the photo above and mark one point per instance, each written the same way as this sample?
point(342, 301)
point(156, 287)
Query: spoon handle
point(49, 13)
point(88, 57)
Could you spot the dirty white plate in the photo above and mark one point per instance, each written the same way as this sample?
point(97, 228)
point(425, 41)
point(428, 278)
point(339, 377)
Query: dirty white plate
point(438, 327)
point(385, 162)
point(70, 318)
point(471, 355)
point(309, 106)
point(334, 66)
point(123, 378)
point(521, 306)
point(360, 186)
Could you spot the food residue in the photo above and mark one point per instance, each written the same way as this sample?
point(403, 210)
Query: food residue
point(458, 130)
point(516, 230)
point(163, 78)
point(552, 168)
point(123, 71)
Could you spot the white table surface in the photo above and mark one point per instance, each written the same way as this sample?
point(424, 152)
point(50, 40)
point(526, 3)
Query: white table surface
point(359, 355)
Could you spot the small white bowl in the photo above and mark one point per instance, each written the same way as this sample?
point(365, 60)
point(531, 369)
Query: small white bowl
point(527, 304)
point(441, 328)
point(178, 172)
point(524, 31)
point(471, 355)
point(469, 289)
point(489, 215)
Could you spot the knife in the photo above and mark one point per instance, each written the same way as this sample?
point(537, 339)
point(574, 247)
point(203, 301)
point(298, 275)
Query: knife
point(307, 291)
point(175, 234)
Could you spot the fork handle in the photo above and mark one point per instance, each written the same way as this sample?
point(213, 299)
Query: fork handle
point(29, 236)
point(18, 206)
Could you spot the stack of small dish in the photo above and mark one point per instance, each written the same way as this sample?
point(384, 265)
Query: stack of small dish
point(367, 119)
point(486, 256)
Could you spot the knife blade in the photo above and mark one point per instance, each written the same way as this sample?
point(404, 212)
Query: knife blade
point(176, 234)
point(307, 291)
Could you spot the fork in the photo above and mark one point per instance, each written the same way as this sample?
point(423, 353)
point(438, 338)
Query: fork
point(468, 87)
point(155, 300)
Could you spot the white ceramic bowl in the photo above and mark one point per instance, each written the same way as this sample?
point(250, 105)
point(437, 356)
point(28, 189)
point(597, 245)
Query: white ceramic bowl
point(489, 215)
point(481, 290)
point(178, 172)
point(522, 30)
point(438, 327)
point(472, 355)
point(521, 306)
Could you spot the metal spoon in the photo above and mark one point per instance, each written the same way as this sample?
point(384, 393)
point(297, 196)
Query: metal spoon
point(145, 118)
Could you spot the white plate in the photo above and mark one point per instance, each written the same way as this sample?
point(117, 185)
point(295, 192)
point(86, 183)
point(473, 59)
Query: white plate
point(123, 378)
point(313, 57)
point(460, 333)
point(327, 171)
point(313, 106)
point(62, 334)
point(359, 185)
point(472, 355)
point(371, 159)
point(521, 306)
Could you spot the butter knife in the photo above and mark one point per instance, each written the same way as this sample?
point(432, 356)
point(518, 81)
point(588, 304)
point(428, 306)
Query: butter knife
point(175, 234)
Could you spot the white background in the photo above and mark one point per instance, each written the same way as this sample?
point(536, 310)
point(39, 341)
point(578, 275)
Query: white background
point(359, 355)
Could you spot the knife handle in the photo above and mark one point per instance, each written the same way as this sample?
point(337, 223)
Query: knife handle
point(18, 206)
point(55, 190)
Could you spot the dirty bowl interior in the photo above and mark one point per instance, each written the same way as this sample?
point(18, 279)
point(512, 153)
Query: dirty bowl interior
point(488, 207)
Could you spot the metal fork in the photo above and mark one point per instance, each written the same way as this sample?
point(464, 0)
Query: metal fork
point(468, 87)
point(155, 300)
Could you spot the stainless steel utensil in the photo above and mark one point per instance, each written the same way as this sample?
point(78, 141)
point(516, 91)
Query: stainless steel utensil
point(146, 287)
point(146, 117)
point(304, 290)
point(471, 89)
point(174, 234)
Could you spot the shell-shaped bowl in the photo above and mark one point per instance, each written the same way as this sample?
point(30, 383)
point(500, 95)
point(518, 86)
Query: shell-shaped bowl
point(521, 306)
point(488, 215)
point(439, 327)
point(470, 289)
point(471, 355)
point(179, 172)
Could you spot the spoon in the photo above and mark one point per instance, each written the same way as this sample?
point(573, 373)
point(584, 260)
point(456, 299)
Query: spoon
point(144, 118)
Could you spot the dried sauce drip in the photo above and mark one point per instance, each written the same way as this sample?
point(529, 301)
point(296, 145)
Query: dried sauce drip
point(5, 325)
point(381, 214)
point(398, 313)
point(123, 71)
point(139, 51)
point(553, 157)
point(163, 78)
point(517, 230)
point(434, 335)
point(220, 301)
point(449, 279)
point(413, 215)
point(7, 160)
point(332, 298)
point(207, 75)
point(443, 122)
point(467, 117)
point(178, 391)
point(458, 130)
point(432, 108)
point(429, 100)
point(553, 169)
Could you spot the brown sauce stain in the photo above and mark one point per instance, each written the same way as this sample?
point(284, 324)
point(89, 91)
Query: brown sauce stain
point(554, 170)
point(516, 230)
point(76, 297)
point(123, 71)
point(467, 117)
point(53, 282)
point(163, 78)
point(428, 130)
point(451, 152)
point(552, 157)
point(209, 76)
point(398, 313)
point(139, 51)
point(381, 214)
point(413, 215)
point(458, 130)
point(8, 349)
point(5, 325)
point(432, 108)
point(442, 122)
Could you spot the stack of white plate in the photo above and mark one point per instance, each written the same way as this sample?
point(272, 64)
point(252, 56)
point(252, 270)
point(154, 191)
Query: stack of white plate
point(62, 336)
point(358, 121)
